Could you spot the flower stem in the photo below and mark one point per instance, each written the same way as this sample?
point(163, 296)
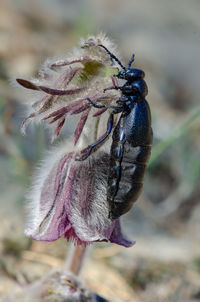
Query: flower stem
point(76, 260)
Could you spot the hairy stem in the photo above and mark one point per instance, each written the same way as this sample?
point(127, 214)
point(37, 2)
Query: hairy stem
point(75, 262)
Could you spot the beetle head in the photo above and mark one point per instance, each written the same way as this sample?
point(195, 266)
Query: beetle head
point(131, 74)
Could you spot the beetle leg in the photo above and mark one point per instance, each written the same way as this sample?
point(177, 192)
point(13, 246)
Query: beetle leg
point(99, 141)
point(94, 104)
point(112, 87)
point(116, 109)
point(121, 105)
point(123, 100)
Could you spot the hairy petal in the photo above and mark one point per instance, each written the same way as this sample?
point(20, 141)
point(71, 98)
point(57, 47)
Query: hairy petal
point(64, 85)
point(64, 109)
point(27, 84)
point(62, 81)
point(47, 221)
point(55, 119)
point(89, 208)
point(80, 125)
point(22, 127)
point(59, 126)
point(63, 63)
point(54, 91)
point(71, 201)
point(80, 108)
point(99, 112)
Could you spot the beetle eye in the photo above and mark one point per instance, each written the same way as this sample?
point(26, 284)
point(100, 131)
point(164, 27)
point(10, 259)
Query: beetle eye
point(120, 74)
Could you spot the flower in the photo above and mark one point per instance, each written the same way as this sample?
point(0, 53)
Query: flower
point(69, 199)
point(65, 85)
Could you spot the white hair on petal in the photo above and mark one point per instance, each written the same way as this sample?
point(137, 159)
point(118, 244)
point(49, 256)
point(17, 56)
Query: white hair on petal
point(101, 38)
point(34, 217)
point(94, 224)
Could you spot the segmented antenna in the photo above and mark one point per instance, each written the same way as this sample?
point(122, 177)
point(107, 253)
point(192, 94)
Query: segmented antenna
point(131, 61)
point(112, 56)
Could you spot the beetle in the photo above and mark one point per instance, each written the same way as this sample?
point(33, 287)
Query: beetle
point(131, 139)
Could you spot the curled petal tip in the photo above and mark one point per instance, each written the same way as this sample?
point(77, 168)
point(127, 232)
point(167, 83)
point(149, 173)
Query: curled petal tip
point(27, 84)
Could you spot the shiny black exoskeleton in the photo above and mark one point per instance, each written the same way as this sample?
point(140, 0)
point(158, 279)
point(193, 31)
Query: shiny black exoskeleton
point(131, 140)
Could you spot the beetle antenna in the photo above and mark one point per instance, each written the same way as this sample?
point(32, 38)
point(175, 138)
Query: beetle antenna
point(131, 61)
point(112, 56)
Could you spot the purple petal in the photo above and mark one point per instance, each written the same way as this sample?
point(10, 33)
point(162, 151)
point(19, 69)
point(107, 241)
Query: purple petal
point(62, 80)
point(99, 112)
point(53, 91)
point(71, 75)
point(27, 84)
point(32, 115)
point(55, 119)
point(80, 108)
point(88, 210)
point(50, 217)
point(42, 105)
point(63, 63)
point(30, 85)
point(64, 109)
point(117, 236)
point(59, 126)
point(56, 113)
point(72, 202)
point(80, 125)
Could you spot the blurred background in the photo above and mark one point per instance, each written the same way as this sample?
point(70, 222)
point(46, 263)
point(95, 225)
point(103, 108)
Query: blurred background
point(164, 265)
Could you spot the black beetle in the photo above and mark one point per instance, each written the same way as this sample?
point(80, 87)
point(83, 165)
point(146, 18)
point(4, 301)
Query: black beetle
point(131, 139)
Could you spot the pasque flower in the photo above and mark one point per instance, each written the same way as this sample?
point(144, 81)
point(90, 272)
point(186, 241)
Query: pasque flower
point(64, 86)
point(68, 197)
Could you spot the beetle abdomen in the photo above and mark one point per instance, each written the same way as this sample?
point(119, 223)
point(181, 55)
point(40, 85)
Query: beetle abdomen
point(124, 187)
point(130, 152)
